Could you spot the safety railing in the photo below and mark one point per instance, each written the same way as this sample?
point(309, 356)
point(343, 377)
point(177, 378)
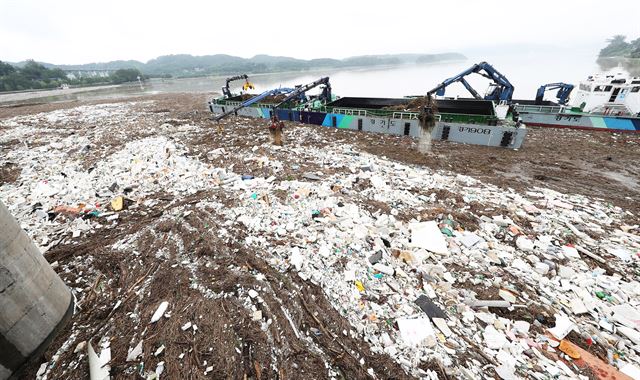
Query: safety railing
point(350, 111)
point(408, 115)
point(231, 103)
point(541, 109)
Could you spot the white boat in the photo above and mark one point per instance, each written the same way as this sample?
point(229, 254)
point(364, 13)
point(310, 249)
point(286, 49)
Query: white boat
point(608, 102)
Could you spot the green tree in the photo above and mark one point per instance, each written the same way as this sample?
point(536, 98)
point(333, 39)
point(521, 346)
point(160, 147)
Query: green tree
point(33, 70)
point(57, 74)
point(32, 76)
point(635, 48)
point(125, 75)
point(6, 69)
point(617, 47)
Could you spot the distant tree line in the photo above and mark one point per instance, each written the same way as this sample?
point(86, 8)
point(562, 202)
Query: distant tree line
point(185, 65)
point(619, 47)
point(35, 76)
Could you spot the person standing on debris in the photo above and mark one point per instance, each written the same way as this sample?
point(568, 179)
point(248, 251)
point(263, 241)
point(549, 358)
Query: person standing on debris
point(275, 129)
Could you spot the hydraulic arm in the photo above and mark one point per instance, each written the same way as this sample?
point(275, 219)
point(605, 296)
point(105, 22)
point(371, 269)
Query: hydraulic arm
point(300, 90)
point(564, 90)
point(500, 88)
point(246, 86)
point(282, 90)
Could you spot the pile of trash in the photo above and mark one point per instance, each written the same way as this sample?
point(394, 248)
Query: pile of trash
point(408, 287)
point(55, 180)
point(427, 267)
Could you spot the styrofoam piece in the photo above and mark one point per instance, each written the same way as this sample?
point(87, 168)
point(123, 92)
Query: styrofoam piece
point(416, 332)
point(563, 327)
point(630, 370)
point(493, 338)
point(626, 315)
point(427, 235)
point(162, 308)
point(441, 324)
point(99, 368)
point(134, 352)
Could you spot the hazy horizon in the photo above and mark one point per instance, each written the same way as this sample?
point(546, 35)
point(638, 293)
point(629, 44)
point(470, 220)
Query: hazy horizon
point(212, 54)
point(79, 32)
point(592, 48)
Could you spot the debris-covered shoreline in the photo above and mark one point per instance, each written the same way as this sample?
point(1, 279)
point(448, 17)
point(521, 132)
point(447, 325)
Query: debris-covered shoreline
point(338, 255)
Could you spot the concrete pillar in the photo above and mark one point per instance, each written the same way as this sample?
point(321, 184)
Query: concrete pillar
point(34, 302)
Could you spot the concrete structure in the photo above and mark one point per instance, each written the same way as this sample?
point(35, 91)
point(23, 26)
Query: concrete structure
point(34, 302)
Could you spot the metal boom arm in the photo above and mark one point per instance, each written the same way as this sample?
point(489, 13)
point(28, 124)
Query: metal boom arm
point(282, 90)
point(326, 93)
point(225, 90)
point(502, 88)
point(564, 90)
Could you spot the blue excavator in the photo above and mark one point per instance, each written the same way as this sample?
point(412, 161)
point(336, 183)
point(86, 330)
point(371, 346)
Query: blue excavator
point(564, 90)
point(500, 88)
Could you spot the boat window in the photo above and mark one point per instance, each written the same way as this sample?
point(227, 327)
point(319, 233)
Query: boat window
point(608, 88)
point(635, 89)
point(635, 82)
point(597, 89)
point(585, 87)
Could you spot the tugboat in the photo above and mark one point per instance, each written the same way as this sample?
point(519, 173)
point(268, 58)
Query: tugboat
point(604, 102)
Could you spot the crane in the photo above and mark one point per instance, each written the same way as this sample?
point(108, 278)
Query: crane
point(500, 88)
point(246, 86)
point(281, 90)
point(300, 90)
point(564, 90)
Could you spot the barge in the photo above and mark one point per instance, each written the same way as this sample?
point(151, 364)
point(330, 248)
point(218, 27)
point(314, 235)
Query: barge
point(603, 102)
point(463, 121)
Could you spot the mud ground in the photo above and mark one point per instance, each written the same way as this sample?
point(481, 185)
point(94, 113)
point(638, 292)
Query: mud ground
point(303, 342)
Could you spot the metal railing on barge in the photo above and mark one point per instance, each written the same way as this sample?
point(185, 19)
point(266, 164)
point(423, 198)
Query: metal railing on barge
point(392, 114)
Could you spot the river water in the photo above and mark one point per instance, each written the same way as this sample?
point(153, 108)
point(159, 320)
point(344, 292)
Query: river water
point(525, 70)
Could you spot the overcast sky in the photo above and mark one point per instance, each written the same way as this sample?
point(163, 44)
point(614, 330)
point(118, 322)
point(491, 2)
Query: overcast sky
point(84, 31)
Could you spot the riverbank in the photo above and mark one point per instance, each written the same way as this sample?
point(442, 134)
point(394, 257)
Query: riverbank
point(307, 261)
point(22, 96)
point(193, 84)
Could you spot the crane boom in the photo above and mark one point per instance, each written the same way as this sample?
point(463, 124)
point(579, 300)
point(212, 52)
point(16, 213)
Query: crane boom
point(281, 90)
point(225, 90)
point(564, 90)
point(326, 92)
point(501, 88)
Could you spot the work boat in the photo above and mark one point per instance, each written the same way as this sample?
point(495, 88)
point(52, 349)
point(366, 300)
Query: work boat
point(477, 122)
point(607, 102)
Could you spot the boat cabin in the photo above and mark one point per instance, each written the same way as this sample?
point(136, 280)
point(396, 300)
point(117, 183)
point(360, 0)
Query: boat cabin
point(608, 94)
